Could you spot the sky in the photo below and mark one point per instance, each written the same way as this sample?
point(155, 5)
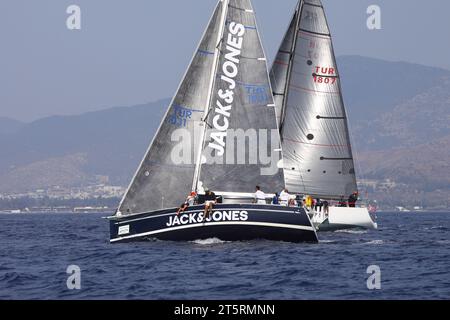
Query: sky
point(132, 52)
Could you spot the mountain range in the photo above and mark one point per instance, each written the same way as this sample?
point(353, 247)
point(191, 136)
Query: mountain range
point(399, 117)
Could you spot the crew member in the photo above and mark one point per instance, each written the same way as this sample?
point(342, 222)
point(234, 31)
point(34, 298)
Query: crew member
point(260, 196)
point(352, 199)
point(210, 201)
point(190, 200)
point(284, 197)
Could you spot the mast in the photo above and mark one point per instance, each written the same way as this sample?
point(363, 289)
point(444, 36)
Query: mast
point(291, 60)
point(210, 93)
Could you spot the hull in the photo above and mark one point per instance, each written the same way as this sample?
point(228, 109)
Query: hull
point(227, 222)
point(341, 218)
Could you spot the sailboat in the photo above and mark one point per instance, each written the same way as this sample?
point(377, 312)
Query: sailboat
point(318, 158)
point(219, 134)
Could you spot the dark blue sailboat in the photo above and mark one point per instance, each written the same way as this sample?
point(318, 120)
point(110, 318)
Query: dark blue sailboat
point(220, 131)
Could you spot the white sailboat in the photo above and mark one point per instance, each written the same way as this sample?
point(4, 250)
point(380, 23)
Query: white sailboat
point(318, 158)
point(223, 108)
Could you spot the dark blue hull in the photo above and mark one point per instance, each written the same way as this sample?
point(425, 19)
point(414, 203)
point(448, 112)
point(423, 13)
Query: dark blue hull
point(228, 222)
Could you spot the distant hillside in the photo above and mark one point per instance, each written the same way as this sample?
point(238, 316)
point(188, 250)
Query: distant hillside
point(111, 142)
point(9, 126)
point(68, 171)
point(419, 175)
point(421, 165)
point(381, 119)
point(399, 117)
point(372, 87)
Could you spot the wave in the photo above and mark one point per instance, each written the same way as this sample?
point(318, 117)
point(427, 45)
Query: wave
point(17, 278)
point(439, 228)
point(327, 241)
point(208, 242)
point(376, 242)
point(351, 231)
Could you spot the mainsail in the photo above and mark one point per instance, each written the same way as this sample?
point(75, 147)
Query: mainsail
point(225, 91)
point(313, 122)
point(242, 134)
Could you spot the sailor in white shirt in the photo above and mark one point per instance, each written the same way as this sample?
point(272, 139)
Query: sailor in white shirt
point(284, 198)
point(260, 196)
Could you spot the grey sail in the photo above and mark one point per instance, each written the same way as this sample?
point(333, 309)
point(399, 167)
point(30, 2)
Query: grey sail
point(315, 137)
point(165, 175)
point(241, 148)
point(279, 74)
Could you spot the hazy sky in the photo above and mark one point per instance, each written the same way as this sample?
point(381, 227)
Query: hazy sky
point(135, 51)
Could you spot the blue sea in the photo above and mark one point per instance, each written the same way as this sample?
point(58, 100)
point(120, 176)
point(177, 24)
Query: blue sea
point(412, 251)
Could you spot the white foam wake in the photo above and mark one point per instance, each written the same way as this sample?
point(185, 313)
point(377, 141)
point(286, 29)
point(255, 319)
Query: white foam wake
point(327, 241)
point(351, 231)
point(208, 242)
point(375, 242)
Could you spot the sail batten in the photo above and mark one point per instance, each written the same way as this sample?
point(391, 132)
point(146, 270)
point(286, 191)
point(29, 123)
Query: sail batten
point(317, 152)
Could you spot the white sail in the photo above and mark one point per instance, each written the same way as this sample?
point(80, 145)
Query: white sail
point(315, 138)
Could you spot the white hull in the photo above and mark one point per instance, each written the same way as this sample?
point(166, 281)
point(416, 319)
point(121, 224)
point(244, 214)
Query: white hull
point(340, 218)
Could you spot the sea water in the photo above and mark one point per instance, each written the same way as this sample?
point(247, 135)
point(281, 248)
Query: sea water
point(412, 251)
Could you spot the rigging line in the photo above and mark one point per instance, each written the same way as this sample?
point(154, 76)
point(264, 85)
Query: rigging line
point(207, 115)
point(303, 180)
point(219, 45)
point(205, 119)
point(298, 170)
